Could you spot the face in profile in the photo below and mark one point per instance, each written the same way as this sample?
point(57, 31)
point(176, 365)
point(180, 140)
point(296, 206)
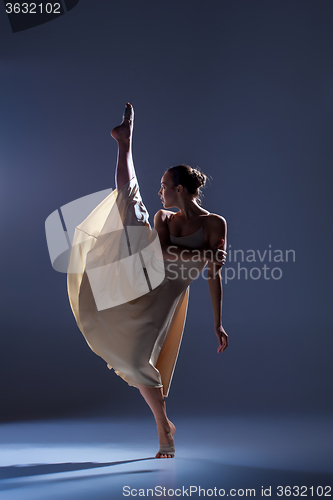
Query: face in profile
point(168, 192)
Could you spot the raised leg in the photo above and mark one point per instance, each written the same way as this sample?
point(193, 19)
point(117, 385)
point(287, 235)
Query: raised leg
point(123, 135)
point(165, 428)
point(124, 173)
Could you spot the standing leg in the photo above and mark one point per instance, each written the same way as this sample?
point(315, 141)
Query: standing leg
point(123, 135)
point(165, 428)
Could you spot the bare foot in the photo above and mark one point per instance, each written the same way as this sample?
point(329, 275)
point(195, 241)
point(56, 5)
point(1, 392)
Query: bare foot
point(166, 437)
point(124, 131)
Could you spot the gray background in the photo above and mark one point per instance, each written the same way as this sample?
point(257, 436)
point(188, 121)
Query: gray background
point(242, 89)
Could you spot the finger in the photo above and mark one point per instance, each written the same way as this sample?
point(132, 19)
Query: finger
point(219, 256)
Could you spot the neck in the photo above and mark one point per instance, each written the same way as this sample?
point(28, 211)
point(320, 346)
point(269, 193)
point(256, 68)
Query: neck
point(189, 209)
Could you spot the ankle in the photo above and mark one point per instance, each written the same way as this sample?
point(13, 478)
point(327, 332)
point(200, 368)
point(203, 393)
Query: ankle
point(164, 425)
point(124, 142)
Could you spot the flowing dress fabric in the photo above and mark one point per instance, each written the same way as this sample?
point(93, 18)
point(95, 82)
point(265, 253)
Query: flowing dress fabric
point(129, 304)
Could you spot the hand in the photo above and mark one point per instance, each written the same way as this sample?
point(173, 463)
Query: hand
point(219, 255)
point(222, 337)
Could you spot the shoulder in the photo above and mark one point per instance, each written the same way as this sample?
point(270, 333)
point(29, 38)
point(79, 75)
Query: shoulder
point(216, 228)
point(216, 221)
point(161, 226)
point(163, 215)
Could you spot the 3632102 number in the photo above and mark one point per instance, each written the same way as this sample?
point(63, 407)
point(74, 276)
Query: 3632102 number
point(304, 491)
point(33, 8)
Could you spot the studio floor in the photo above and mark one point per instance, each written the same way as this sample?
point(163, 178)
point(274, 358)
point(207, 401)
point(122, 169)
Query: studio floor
point(104, 458)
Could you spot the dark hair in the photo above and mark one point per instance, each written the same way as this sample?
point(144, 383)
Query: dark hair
point(191, 178)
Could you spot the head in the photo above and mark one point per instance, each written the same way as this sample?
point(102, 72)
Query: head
point(181, 181)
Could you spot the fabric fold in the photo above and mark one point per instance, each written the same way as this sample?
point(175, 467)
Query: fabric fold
point(126, 301)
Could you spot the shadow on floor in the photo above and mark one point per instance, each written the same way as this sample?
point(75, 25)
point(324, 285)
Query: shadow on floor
point(15, 471)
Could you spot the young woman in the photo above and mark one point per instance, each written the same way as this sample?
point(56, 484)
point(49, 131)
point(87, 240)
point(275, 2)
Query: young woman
point(129, 293)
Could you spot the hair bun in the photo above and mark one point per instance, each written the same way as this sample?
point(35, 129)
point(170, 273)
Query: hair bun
point(199, 177)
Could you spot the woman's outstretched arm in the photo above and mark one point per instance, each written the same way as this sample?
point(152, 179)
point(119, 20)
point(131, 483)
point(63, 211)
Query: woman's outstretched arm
point(218, 231)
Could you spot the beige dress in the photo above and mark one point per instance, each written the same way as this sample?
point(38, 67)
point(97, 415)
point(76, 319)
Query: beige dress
point(128, 302)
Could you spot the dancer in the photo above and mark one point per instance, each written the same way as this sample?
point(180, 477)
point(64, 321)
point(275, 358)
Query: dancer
point(140, 337)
